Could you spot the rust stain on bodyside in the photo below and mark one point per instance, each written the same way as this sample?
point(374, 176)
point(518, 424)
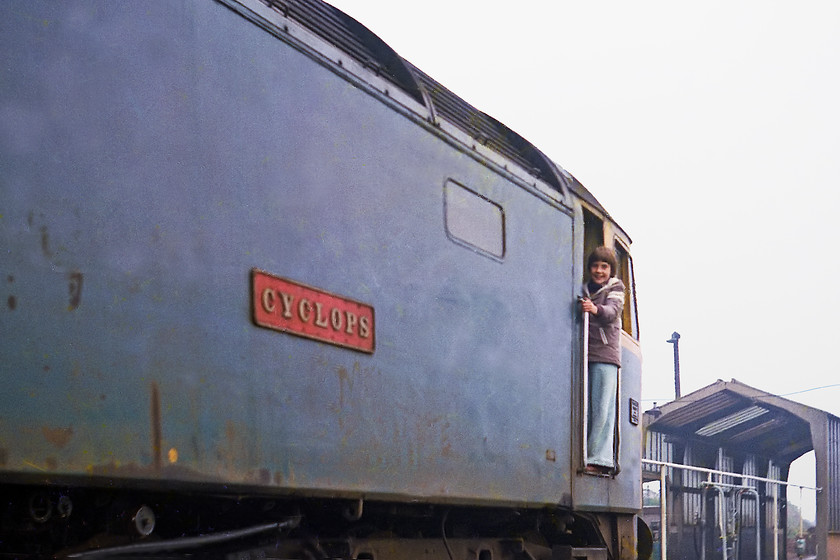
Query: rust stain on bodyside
point(59, 437)
point(45, 242)
point(11, 302)
point(157, 436)
point(75, 290)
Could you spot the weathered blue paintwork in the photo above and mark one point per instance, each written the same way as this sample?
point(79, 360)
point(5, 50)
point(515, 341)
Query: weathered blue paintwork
point(152, 155)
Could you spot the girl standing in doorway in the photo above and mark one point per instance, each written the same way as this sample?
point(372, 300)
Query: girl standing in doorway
point(603, 299)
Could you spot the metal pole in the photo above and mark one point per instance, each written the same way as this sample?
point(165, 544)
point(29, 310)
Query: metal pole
point(675, 340)
point(776, 522)
point(703, 521)
point(724, 536)
point(800, 512)
point(585, 423)
point(704, 514)
point(663, 514)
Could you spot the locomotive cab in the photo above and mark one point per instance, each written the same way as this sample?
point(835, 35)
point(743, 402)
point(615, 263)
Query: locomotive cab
point(620, 489)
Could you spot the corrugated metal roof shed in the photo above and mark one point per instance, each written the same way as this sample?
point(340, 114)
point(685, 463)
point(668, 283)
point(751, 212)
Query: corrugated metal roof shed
point(739, 417)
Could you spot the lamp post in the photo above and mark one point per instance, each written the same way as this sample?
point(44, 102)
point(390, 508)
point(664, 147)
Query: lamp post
point(675, 340)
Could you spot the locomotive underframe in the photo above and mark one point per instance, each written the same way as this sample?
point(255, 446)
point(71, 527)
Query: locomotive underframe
point(99, 522)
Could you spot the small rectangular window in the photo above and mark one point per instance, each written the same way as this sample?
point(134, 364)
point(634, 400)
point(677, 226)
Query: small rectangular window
point(474, 220)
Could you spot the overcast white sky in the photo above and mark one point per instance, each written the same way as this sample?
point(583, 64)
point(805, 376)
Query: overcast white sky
point(709, 130)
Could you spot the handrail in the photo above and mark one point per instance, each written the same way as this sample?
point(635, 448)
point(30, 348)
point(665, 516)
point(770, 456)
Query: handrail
point(739, 496)
point(585, 381)
point(663, 512)
point(704, 515)
point(727, 473)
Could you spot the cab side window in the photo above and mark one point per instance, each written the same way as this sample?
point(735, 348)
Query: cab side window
point(629, 319)
point(593, 234)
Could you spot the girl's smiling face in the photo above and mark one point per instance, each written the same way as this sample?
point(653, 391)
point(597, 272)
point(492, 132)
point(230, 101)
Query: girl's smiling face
point(599, 272)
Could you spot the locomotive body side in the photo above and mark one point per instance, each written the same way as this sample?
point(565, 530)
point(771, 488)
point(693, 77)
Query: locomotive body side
point(176, 177)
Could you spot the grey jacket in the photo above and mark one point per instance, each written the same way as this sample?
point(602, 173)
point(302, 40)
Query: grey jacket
point(605, 327)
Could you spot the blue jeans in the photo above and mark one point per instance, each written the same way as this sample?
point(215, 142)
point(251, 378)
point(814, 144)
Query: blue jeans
point(603, 383)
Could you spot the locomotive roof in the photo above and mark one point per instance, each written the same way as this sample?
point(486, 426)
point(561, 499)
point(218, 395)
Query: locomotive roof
point(364, 46)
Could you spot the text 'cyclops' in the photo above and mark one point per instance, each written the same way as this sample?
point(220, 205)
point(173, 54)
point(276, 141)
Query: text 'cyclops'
point(283, 305)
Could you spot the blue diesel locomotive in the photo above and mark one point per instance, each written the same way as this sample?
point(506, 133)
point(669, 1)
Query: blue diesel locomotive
point(271, 291)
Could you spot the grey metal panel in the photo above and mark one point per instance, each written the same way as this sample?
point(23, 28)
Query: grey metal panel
point(364, 46)
point(488, 131)
point(833, 489)
point(200, 150)
point(351, 37)
point(658, 448)
point(749, 511)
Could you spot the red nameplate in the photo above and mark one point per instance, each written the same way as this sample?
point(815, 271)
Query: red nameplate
point(283, 305)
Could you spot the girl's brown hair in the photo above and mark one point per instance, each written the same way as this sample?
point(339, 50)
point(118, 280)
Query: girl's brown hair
point(603, 254)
